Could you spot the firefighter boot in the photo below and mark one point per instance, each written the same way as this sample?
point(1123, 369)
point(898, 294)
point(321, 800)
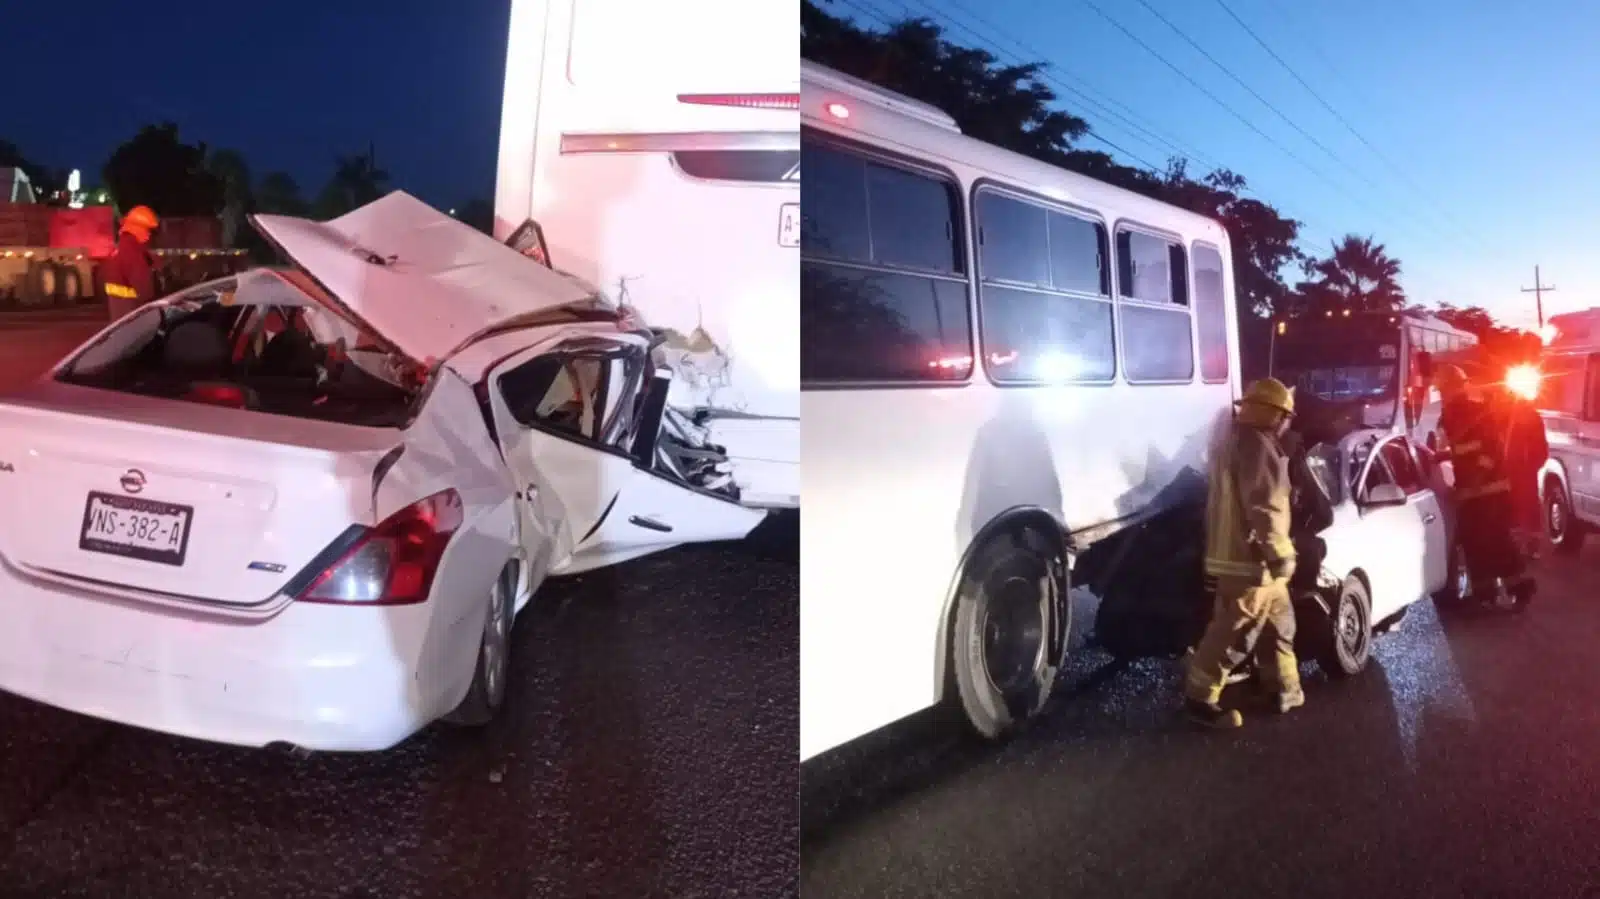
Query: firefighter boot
point(1212, 715)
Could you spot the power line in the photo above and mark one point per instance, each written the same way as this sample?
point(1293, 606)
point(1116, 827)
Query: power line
point(1202, 89)
point(1339, 117)
point(1223, 104)
point(888, 21)
point(1254, 93)
point(877, 15)
point(1086, 93)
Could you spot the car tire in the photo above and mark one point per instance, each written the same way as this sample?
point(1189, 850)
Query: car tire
point(1347, 642)
point(1011, 606)
point(491, 667)
point(1564, 531)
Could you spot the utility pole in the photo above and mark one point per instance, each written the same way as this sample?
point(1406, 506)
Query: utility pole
point(1538, 290)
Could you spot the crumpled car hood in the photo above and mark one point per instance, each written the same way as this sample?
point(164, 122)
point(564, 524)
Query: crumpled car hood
point(420, 279)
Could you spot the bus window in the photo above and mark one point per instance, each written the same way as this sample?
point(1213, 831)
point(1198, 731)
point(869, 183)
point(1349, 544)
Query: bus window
point(1211, 313)
point(1157, 343)
point(897, 309)
point(1043, 282)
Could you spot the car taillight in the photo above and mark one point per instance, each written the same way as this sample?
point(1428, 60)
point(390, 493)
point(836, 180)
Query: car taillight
point(394, 563)
point(217, 395)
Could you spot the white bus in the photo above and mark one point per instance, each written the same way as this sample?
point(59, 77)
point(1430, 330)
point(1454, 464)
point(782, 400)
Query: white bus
point(1001, 363)
point(657, 147)
point(1371, 369)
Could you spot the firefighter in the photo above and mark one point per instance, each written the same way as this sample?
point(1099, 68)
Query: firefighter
point(1475, 428)
point(1526, 451)
point(1249, 553)
point(130, 273)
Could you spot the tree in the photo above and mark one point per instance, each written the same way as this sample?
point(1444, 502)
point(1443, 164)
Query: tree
point(356, 181)
point(1358, 274)
point(158, 170)
point(479, 213)
point(279, 194)
point(1008, 106)
point(46, 181)
point(238, 200)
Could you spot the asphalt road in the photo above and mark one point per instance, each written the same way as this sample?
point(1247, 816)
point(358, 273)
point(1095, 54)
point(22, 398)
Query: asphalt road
point(1464, 762)
point(647, 750)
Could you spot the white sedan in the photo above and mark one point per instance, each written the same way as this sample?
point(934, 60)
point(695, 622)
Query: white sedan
point(302, 506)
point(1387, 546)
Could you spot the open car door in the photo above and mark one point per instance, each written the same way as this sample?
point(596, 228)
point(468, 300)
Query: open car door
point(578, 419)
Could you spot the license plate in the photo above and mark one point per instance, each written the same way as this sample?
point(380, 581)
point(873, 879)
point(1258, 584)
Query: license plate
point(136, 528)
point(789, 225)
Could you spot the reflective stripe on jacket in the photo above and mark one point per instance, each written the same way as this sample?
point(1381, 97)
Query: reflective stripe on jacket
point(1247, 505)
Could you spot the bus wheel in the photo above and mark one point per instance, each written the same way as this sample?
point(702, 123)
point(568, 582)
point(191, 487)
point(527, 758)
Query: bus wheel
point(1011, 610)
point(1565, 531)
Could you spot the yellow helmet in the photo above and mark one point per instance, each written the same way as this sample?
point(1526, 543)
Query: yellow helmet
point(1271, 393)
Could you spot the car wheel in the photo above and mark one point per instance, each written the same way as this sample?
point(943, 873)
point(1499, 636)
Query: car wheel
point(492, 665)
point(1011, 608)
point(1564, 530)
point(1348, 641)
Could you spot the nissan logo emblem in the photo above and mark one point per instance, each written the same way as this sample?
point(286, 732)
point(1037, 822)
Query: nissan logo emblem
point(133, 480)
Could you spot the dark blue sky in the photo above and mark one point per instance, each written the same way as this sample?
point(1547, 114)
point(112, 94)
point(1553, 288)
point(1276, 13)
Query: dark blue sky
point(289, 83)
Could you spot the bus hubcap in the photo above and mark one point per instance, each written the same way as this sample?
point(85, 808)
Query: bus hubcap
point(1013, 634)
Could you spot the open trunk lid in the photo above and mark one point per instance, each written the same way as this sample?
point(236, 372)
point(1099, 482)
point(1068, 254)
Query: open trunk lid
point(425, 282)
point(188, 500)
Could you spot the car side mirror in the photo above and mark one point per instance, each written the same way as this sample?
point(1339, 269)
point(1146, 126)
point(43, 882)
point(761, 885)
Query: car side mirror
point(1385, 495)
point(1424, 364)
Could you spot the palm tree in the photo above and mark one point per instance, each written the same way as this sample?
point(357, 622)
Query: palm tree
point(279, 194)
point(356, 181)
point(1359, 275)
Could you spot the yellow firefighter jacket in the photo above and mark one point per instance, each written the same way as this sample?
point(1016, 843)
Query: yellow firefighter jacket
point(1247, 505)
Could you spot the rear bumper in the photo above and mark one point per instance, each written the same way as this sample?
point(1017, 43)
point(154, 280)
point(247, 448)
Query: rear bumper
point(321, 677)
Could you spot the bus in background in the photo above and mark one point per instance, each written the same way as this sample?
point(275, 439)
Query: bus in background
point(661, 161)
point(1002, 364)
point(1369, 370)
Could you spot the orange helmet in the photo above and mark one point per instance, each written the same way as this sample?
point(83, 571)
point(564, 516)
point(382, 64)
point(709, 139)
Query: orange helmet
point(140, 221)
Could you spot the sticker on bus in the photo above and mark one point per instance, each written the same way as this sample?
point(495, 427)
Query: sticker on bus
point(789, 225)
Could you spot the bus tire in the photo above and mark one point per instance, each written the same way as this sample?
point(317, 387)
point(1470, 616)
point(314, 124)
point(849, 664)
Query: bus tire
point(1561, 527)
point(1011, 607)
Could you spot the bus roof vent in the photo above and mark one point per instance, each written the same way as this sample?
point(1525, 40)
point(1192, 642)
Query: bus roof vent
point(829, 79)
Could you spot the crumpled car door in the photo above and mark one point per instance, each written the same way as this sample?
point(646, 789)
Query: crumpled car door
point(579, 420)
